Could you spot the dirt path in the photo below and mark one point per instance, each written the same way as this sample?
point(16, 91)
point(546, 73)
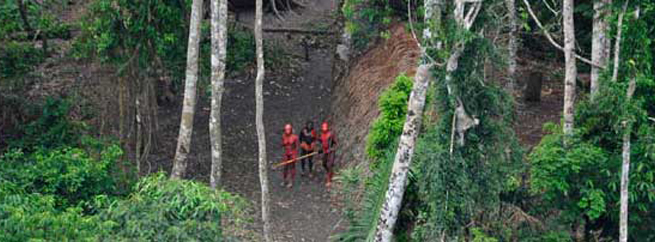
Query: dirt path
point(304, 212)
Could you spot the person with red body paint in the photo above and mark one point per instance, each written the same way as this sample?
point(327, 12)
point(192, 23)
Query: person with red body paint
point(290, 145)
point(328, 144)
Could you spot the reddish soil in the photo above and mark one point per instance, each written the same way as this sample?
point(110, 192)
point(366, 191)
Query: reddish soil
point(355, 98)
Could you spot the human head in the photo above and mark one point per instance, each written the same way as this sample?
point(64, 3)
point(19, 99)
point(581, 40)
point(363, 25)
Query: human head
point(309, 125)
point(288, 129)
point(325, 127)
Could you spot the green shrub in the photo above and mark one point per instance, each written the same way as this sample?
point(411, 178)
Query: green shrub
point(393, 108)
point(170, 210)
point(52, 127)
point(36, 217)
point(71, 175)
point(18, 58)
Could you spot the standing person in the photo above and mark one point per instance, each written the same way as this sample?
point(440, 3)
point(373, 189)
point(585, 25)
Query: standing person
point(328, 145)
point(307, 143)
point(290, 145)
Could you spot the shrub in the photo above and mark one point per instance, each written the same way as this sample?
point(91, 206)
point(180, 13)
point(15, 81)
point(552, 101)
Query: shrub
point(71, 175)
point(35, 217)
point(393, 108)
point(18, 58)
point(171, 210)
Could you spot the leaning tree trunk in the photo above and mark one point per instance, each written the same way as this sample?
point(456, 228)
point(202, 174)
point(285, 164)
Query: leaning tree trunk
point(599, 42)
point(188, 107)
point(219, 50)
point(511, 46)
point(259, 121)
point(571, 70)
point(625, 171)
point(411, 128)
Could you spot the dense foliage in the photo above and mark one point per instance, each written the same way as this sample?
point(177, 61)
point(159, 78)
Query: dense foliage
point(387, 127)
point(583, 179)
point(21, 29)
point(58, 184)
point(463, 187)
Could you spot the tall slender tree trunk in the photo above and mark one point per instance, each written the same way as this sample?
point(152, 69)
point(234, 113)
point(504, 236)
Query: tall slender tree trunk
point(625, 171)
point(259, 121)
point(600, 42)
point(511, 46)
point(617, 42)
point(219, 50)
point(411, 129)
point(22, 10)
point(188, 107)
point(571, 71)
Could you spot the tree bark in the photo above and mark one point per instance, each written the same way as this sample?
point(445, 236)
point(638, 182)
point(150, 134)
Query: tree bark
point(189, 104)
point(259, 121)
point(625, 172)
point(625, 169)
point(511, 46)
point(218, 55)
point(411, 129)
point(23, 15)
point(599, 43)
point(617, 42)
point(571, 71)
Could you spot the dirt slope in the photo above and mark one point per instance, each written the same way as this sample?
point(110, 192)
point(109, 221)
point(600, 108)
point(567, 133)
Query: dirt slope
point(354, 100)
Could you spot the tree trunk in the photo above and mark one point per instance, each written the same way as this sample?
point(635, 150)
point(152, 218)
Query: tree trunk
point(259, 121)
point(599, 42)
point(511, 47)
point(188, 107)
point(411, 128)
point(617, 43)
point(571, 70)
point(403, 159)
point(625, 171)
point(23, 15)
point(219, 50)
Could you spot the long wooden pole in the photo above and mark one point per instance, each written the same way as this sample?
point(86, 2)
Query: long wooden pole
point(294, 159)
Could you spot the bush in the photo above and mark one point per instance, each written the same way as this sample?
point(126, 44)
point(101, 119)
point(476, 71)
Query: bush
point(18, 58)
point(51, 129)
point(29, 217)
point(387, 127)
point(71, 175)
point(171, 210)
point(158, 210)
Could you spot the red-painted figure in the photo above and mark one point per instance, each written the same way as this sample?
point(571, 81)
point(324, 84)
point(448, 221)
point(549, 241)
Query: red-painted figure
point(290, 145)
point(328, 145)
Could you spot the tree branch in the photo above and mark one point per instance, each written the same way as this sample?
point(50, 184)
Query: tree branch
point(552, 41)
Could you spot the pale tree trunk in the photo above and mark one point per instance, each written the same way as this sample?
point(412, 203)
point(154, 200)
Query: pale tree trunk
point(259, 121)
point(511, 46)
point(411, 128)
point(571, 70)
point(188, 107)
point(625, 169)
point(600, 42)
point(625, 172)
point(617, 42)
point(219, 50)
point(404, 153)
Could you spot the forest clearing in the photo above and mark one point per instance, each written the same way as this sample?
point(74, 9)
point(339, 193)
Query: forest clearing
point(327, 120)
